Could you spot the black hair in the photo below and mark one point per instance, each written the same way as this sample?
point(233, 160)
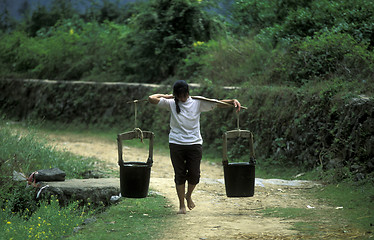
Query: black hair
point(180, 88)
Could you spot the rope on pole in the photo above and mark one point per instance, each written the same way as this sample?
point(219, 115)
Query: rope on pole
point(136, 129)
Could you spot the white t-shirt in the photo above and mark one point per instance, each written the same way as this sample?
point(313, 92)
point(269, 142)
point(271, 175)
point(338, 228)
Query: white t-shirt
point(185, 126)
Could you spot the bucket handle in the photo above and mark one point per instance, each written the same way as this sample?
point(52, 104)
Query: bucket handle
point(131, 135)
point(237, 134)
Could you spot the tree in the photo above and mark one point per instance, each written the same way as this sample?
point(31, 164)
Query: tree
point(161, 29)
point(44, 18)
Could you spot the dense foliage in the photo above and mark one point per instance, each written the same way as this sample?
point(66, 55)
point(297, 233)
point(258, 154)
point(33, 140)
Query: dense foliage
point(289, 20)
point(145, 43)
point(151, 41)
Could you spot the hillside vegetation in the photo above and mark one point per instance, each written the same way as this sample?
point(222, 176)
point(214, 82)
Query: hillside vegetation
point(262, 42)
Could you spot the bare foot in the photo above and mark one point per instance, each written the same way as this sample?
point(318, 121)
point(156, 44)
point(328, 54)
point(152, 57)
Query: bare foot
point(190, 203)
point(182, 210)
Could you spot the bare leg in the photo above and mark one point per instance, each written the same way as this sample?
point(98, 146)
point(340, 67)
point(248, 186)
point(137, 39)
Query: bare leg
point(181, 195)
point(190, 203)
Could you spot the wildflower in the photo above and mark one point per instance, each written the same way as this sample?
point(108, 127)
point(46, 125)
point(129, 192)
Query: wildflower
point(8, 222)
point(71, 31)
point(198, 43)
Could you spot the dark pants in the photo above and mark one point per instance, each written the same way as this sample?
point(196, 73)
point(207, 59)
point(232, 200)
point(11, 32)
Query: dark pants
point(186, 163)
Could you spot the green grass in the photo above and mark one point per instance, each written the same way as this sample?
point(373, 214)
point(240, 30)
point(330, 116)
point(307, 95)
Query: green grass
point(303, 220)
point(130, 219)
point(356, 199)
point(25, 149)
point(341, 211)
point(27, 152)
point(48, 221)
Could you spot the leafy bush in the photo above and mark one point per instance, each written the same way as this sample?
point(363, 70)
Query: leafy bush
point(324, 56)
point(17, 53)
point(230, 61)
point(251, 16)
point(18, 198)
point(196, 57)
point(70, 50)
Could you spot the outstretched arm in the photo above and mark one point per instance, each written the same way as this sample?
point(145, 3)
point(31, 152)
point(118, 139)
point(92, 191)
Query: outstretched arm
point(155, 98)
point(233, 102)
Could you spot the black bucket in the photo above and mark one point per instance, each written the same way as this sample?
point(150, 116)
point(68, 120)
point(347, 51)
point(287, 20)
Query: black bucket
point(239, 179)
point(134, 177)
point(239, 176)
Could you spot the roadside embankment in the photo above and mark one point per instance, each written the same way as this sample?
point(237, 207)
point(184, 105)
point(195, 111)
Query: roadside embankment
point(292, 127)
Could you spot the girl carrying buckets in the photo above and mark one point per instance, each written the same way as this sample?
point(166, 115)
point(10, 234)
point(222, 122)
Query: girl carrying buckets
point(185, 141)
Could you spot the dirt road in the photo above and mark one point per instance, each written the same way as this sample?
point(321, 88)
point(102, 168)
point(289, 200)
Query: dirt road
point(215, 216)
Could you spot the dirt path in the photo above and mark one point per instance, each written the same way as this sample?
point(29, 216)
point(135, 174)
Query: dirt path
point(215, 216)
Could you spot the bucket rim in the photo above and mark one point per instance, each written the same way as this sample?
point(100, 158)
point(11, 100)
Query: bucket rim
point(135, 164)
point(240, 164)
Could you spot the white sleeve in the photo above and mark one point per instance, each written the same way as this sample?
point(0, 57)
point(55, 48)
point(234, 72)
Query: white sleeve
point(206, 106)
point(164, 103)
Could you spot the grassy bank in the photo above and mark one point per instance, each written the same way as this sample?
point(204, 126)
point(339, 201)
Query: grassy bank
point(21, 216)
point(24, 149)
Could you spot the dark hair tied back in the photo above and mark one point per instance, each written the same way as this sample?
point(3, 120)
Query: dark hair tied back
point(177, 105)
point(180, 88)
